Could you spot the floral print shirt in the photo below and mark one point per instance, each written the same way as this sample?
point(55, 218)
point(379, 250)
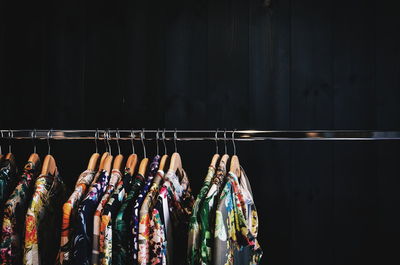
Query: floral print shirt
point(122, 239)
point(8, 181)
point(206, 215)
point(82, 248)
point(194, 224)
point(138, 204)
point(44, 214)
point(236, 225)
point(115, 178)
point(109, 212)
point(14, 216)
point(173, 209)
point(69, 215)
point(145, 224)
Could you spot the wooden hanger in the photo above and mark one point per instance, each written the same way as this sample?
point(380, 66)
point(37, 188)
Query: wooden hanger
point(93, 161)
point(34, 159)
point(214, 160)
point(107, 163)
point(103, 159)
point(163, 162)
point(119, 159)
point(235, 165)
point(49, 166)
point(175, 164)
point(131, 163)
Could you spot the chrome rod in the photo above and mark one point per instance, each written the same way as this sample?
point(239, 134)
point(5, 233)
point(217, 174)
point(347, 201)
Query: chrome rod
point(209, 135)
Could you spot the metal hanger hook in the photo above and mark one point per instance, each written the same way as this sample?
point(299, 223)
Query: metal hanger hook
point(105, 140)
point(163, 140)
point(96, 137)
point(48, 140)
point(175, 138)
point(143, 145)
point(132, 138)
point(108, 137)
point(117, 136)
point(157, 138)
point(226, 149)
point(233, 141)
point(1, 151)
point(33, 135)
point(216, 141)
point(10, 136)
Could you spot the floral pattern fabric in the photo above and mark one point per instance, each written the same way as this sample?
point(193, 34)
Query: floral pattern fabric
point(15, 208)
point(44, 214)
point(174, 203)
point(146, 225)
point(82, 248)
point(8, 181)
point(110, 211)
point(138, 204)
point(194, 223)
point(207, 215)
point(115, 178)
point(69, 216)
point(236, 225)
point(122, 241)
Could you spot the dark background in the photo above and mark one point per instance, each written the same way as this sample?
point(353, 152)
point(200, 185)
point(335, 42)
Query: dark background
point(275, 64)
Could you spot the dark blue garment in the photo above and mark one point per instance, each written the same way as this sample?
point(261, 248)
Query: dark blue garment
point(138, 204)
point(82, 248)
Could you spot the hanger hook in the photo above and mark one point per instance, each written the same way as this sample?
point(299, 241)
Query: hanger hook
point(10, 136)
point(143, 145)
point(226, 149)
point(233, 141)
point(96, 137)
point(163, 139)
point(48, 140)
point(33, 135)
point(157, 138)
point(216, 141)
point(132, 138)
point(175, 138)
point(108, 140)
point(105, 140)
point(117, 136)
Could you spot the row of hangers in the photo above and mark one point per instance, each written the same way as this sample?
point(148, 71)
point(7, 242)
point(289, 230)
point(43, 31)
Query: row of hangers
point(108, 162)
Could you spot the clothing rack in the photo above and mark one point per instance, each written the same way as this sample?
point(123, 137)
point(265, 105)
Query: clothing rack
point(202, 135)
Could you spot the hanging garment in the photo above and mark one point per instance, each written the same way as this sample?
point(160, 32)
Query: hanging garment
point(236, 225)
point(206, 215)
point(82, 249)
point(109, 213)
point(8, 181)
point(194, 223)
point(145, 226)
point(175, 203)
point(44, 214)
point(70, 209)
point(122, 239)
point(15, 208)
point(153, 168)
point(114, 180)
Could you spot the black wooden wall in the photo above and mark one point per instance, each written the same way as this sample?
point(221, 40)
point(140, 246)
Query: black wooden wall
point(272, 64)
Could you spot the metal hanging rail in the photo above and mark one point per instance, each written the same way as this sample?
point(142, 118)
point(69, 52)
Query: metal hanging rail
point(201, 135)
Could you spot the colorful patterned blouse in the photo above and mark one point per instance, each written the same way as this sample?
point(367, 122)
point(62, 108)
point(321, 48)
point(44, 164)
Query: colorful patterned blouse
point(82, 248)
point(122, 239)
point(8, 181)
point(14, 216)
point(70, 214)
point(236, 225)
point(194, 224)
point(109, 212)
point(145, 226)
point(206, 215)
point(114, 180)
point(138, 204)
point(44, 214)
point(173, 209)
